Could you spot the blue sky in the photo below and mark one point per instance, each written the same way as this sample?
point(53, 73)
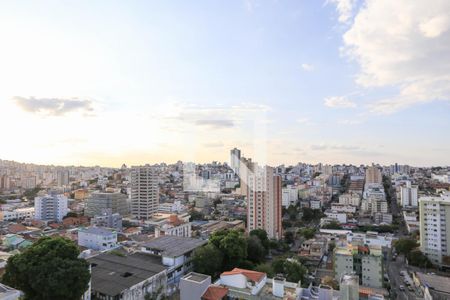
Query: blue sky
point(107, 82)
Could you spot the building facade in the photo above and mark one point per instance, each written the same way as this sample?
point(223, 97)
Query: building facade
point(264, 201)
point(50, 207)
point(144, 192)
point(99, 201)
point(97, 238)
point(434, 216)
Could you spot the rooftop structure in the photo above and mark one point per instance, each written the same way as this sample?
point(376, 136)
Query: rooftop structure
point(116, 275)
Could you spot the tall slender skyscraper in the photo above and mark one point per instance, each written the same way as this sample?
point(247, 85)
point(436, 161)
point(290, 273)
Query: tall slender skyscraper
point(264, 201)
point(144, 192)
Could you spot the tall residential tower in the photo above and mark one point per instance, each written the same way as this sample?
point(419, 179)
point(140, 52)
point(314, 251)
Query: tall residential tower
point(264, 201)
point(144, 192)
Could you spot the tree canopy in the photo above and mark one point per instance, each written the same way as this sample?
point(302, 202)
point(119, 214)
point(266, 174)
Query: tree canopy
point(307, 233)
point(262, 235)
point(208, 260)
point(292, 269)
point(405, 245)
point(255, 250)
point(233, 245)
point(49, 269)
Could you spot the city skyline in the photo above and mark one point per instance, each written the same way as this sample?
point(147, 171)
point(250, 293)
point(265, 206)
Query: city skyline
point(335, 81)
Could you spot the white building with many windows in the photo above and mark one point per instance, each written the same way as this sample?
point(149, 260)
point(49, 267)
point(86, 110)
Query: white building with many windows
point(50, 207)
point(434, 216)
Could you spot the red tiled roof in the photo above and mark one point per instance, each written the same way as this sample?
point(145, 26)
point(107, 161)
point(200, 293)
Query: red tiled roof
point(214, 292)
point(252, 275)
point(16, 228)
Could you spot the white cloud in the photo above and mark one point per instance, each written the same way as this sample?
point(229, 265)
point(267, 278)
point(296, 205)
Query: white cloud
point(344, 9)
point(307, 67)
point(349, 122)
point(53, 106)
point(339, 102)
point(403, 44)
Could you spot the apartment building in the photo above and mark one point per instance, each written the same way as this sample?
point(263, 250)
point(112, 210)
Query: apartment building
point(98, 202)
point(264, 201)
point(144, 192)
point(50, 207)
point(364, 261)
point(408, 195)
point(373, 175)
point(434, 216)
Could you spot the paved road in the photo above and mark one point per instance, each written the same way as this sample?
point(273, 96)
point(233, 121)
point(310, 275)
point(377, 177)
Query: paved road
point(393, 269)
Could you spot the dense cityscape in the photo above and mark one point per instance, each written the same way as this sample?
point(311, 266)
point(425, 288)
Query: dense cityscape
point(225, 150)
point(235, 229)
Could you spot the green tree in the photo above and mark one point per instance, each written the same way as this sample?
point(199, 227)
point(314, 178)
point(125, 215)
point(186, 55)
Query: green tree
point(292, 212)
point(292, 269)
point(208, 260)
point(265, 268)
point(232, 244)
point(405, 245)
point(310, 214)
point(49, 269)
point(332, 225)
point(418, 259)
point(195, 215)
point(262, 235)
point(289, 237)
point(307, 233)
point(255, 250)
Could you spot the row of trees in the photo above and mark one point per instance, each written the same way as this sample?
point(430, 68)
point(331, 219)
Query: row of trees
point(227, 249)
point(409, 247)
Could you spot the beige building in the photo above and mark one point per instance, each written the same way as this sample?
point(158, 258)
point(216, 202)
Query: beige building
point(373, 175)
point(144, 192)
point(264, 201)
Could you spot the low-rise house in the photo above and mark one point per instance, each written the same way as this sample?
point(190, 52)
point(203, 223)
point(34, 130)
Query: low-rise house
point(313, 249)
point(15, 241)
point(343, 208)
point(337, 216)
point(244, 284)
point(107, 219)
point(97, 238)
point(75, 221)
point(174, 226)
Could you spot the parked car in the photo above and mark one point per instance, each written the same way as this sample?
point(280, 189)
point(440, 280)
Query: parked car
point(401, 287)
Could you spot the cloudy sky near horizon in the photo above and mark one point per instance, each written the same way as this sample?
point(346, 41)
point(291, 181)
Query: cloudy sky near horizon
point(333, 81)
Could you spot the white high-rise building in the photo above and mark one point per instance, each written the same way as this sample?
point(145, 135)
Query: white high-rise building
point(435, 228)
point(264, 201)
point(144, 192)
point(408, 195)
point(50, 207)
